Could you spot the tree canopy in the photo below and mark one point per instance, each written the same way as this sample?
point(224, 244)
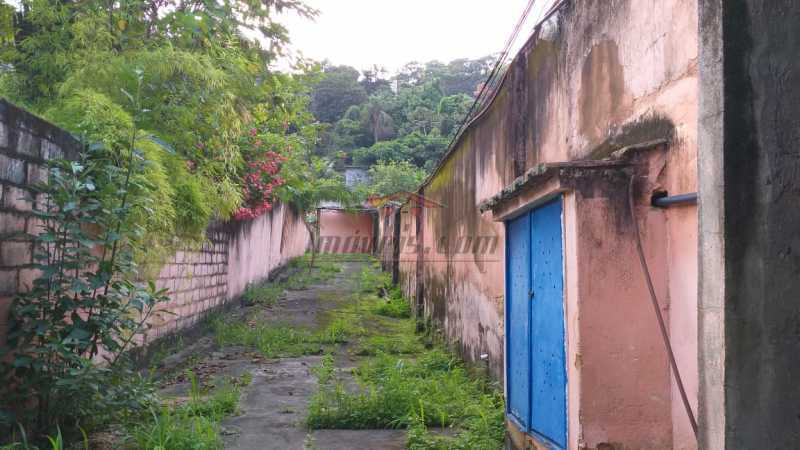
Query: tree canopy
point(410, 116)
point(218, 128)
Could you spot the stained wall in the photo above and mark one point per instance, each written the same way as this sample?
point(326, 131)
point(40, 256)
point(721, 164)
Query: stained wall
point(343, 231)
point(597, 77)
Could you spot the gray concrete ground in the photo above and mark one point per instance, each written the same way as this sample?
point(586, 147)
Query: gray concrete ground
point(273, 406)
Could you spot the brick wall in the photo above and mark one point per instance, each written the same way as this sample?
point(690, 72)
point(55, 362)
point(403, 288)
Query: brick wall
point(198, 279)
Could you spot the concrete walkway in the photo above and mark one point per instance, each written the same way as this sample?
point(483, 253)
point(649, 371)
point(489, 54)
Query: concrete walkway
point(273, 406)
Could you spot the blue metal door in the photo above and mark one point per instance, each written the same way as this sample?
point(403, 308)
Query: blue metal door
point(548, 370)
point(518, 335)
point(535, 345)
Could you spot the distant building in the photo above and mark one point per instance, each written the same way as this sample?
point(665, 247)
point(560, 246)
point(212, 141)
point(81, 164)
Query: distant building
point(355, 175)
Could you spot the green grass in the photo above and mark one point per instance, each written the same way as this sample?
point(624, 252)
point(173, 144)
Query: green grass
point(53, 443)
point(433, 390)
point(191, 426)
point(393, 344)
point(403, 384)
point(275, 340)
point(268, 293)
point(372, 279)
point(176, 431)
point(393, 305)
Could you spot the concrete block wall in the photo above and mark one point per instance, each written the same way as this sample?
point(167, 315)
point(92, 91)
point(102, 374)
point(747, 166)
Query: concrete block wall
point(26, 142)
point(259, 246)
point(199, 279)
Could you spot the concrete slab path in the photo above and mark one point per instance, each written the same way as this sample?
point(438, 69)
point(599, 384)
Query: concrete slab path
point(274, 404)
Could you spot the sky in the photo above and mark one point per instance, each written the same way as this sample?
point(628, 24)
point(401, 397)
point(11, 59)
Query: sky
point(390, 33)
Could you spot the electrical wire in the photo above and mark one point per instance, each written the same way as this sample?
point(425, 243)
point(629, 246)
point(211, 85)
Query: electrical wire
point(493, 83)
point(497, 65)
point(664, 335)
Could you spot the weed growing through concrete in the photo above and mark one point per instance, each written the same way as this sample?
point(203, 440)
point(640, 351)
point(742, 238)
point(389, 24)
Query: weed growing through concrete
point(434, 389)
point(393, 305)
point(406, 382)
point(269, 293)
point(190, 426)
point(281, 340)
point(266, 294)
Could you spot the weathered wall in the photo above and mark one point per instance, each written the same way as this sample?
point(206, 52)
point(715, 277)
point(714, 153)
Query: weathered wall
point(257, 247)
point(199, 279)
point(601, 75)
point(25, 143)
point(408, 253)
point(346, 232)
point(750, 219)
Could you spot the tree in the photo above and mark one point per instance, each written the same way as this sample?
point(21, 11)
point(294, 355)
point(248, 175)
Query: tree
point(380, 123)
point(310, 181)
point(463, 76)
point(451, 111)
point(394, 176)
point(414, 122)
point(336, 92)
point(204, 80)
point(374, 79)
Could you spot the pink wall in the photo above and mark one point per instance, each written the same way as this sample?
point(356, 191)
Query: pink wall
point(386, 226)
point(602, 75)
point(26, 142)
point(235, 255)
point(346, 232)
point(259, 246)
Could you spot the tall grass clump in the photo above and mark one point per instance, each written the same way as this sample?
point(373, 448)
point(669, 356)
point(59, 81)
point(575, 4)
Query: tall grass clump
point(266, 294)
point(435, 389)
point(191, 426)
point(393, 305)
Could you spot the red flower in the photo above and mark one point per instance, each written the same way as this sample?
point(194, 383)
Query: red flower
point(260, 182)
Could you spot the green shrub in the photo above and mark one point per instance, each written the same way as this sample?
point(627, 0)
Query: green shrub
point(84, 304)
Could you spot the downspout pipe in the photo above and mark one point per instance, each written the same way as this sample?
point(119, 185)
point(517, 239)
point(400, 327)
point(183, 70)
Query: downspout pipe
point(665, 201)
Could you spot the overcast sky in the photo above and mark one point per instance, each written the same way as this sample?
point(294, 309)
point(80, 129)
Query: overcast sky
point(391, 33)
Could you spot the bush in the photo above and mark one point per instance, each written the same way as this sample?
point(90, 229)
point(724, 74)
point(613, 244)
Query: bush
point(83, 305)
